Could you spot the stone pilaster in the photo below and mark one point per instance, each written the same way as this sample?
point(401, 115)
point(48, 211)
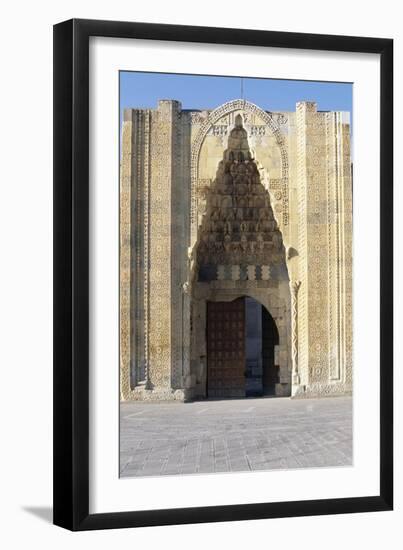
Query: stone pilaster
point(178, 247)
point(302, 189)
point(340, 247)
point(311, 127)
point(295, 378)
point(347, 229)
point(324, 301)
point(165, 273)
point(125, 259)
point(160, 353)
point(134, 297)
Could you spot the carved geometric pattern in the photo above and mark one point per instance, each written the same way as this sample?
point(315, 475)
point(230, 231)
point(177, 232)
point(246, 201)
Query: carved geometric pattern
point(317, 249)
point(325, 210)
point(125, 259)
point(294, 287)
point(160, 352)
point(303, 354)
point(177, 255)
point(238, 272)
point(146, 304)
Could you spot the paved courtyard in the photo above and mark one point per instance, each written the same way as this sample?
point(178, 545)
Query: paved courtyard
point(234, 435)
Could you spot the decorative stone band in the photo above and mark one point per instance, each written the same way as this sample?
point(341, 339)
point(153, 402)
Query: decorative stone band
point(212, 272)
point(294, 288)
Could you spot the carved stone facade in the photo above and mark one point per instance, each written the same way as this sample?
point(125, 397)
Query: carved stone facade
point(237, 201)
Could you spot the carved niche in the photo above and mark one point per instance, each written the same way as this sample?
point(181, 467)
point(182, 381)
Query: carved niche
point(270, 122)
point(239, 229)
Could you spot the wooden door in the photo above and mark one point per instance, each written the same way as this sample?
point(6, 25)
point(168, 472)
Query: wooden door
point(226, 348)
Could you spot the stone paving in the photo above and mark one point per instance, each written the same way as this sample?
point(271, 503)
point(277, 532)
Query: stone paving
point(234, 435)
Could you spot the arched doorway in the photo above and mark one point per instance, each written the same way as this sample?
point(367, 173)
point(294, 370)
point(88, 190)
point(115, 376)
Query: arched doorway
point(239, 266)
point(241, 340)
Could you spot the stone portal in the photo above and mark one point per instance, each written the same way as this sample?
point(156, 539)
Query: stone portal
point(235, 202)
point(240, 251)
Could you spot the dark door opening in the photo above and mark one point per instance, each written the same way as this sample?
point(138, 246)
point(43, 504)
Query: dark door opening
point(253, 345)
point(241, 339)
point(270, 339)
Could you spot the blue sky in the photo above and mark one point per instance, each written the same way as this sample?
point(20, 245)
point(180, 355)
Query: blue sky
point(143, 90)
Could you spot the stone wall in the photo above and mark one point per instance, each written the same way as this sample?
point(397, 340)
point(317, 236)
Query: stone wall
point(168, 167)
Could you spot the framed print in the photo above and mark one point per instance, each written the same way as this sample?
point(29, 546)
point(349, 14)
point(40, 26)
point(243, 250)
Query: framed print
point(223, 318)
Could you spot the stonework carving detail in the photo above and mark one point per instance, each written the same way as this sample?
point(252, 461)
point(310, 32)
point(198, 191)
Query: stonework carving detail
point(239, 228)
point(182, 226)
point(125, 256)
point(160, 351)
point(294, 287)
point(324, 250)
point(213, 118)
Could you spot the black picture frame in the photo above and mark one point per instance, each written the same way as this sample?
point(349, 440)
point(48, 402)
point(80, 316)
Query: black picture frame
point(71, 274)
